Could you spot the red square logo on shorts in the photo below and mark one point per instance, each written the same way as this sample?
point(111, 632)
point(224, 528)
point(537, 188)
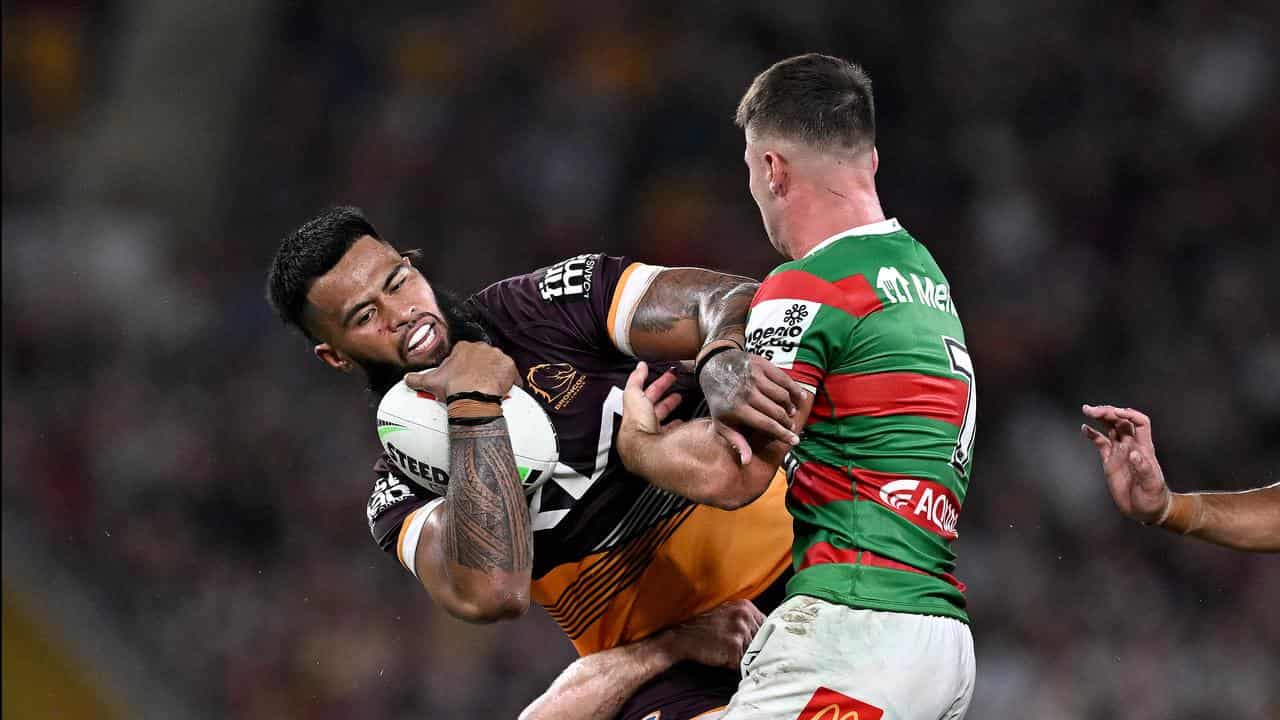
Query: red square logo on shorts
point(827, 704)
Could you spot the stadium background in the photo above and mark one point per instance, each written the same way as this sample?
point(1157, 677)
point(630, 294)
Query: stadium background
point(183, 485)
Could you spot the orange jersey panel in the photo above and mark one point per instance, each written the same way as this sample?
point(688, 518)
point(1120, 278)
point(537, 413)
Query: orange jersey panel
point(682, 566)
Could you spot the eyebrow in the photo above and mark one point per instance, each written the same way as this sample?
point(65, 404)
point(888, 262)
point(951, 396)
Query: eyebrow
point(386, 284)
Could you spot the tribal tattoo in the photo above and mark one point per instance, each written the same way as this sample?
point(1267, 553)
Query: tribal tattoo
point(488, 526)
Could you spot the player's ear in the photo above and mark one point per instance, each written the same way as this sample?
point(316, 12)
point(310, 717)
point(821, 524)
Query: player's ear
point(332, 357)
point(875, 160)
point(775, 168)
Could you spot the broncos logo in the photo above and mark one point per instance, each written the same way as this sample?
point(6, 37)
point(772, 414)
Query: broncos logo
point(558, 384)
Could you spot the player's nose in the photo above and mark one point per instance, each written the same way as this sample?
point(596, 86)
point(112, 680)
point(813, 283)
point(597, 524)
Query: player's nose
point(402, 314)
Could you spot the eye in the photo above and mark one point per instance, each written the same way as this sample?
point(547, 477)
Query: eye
point(365, 317)
point(399, 283)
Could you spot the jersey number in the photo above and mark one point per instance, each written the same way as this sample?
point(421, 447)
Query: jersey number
point(962, 365)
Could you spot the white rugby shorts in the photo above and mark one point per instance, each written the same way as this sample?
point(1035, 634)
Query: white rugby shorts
point(816, 660)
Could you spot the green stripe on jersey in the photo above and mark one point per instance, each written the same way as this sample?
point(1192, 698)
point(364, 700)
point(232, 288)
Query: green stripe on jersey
point(874, 317)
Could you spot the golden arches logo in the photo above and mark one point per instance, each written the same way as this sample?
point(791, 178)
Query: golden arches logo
point(834, 711)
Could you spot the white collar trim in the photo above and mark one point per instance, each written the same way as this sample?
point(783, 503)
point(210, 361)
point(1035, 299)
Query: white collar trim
point(884, 227)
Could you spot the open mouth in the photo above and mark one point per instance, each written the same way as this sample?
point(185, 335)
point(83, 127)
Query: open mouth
point(421, 339)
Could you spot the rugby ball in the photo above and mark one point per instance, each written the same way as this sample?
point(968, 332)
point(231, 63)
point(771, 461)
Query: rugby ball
point(413, 427)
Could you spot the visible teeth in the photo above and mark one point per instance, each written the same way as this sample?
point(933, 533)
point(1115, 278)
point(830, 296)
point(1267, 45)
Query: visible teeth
point(418, 336)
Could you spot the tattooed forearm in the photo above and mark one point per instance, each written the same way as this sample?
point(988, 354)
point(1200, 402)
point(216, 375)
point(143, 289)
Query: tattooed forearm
point(727, 318)
point(488, 518)
point(686, 307)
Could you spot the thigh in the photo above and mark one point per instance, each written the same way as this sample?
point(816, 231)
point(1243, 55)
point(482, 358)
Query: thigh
point(685, 691)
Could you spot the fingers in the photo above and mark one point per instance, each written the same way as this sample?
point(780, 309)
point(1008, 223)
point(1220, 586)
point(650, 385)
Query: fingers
point(776, 385)
point(1099, 440)
point(753, 419)
point(659, 387)
point(779, 377)
point(1125, 429)
point(1141, 423)
point(773, 409)
point(1134, 416)
point(635, 381)
point(1113, 415)
point(428, 381)
point(736, 440)
point(1100, 412)
point(638, 412)
point(667, 405)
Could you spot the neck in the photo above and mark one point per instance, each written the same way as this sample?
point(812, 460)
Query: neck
point(828, 211)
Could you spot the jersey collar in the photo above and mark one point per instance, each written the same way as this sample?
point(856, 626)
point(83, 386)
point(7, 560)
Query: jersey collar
point(884, 227)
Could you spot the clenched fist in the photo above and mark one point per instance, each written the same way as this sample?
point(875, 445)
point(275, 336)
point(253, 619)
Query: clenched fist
point(471, 366)
point(719, 637)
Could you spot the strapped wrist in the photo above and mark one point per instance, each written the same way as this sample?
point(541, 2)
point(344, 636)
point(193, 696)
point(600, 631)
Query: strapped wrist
point(1181, 514)
point(711, 349)
point(473, 395)
point(467, 408)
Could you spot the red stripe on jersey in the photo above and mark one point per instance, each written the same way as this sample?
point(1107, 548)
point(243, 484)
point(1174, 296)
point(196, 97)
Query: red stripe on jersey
point(924, 503)
point(803, 372)
point(853, 294)
point(823, 552)
point(895, 393)
point(817, 484)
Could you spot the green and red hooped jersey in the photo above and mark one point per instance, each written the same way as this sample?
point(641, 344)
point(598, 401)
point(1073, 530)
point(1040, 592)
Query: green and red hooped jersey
point(866, 320)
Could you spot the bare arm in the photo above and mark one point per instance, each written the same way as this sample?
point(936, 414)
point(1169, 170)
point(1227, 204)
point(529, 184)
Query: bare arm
point(693, 459)
point(686, 308)
point(597, 685)
point(1247, 520)
point(691, 313)
point(475, 553)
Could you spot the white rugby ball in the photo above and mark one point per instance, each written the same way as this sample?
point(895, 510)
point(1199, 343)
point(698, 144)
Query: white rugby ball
point(414, 429)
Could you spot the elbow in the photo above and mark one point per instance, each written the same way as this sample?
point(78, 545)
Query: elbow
point(491, 610)
point(732, 499)
point(733, 491)
point(490, 600)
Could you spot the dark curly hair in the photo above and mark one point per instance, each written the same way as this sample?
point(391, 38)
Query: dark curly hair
point(309, 252)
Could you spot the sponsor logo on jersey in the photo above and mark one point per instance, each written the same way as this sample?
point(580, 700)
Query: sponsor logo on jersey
point(925, 503)
point(774, 328)
point(894, 286)
point(827, 704)
point(558, 384)
point(568, 279)
point(433, 478)
point(387, 491)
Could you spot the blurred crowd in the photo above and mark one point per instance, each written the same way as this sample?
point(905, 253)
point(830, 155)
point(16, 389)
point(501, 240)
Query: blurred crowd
point(1098, 181)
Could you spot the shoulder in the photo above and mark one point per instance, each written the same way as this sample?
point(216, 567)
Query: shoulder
point(823, 280)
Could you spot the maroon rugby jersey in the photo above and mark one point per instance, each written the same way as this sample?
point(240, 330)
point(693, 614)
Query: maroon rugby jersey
point(615, 558)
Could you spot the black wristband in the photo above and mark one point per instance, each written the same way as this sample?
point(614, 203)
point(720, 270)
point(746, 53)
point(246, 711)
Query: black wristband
point(474, 395)
point(697, 371)
point(473, 421)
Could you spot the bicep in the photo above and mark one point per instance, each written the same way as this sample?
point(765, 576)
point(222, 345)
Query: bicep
point(669, 318)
